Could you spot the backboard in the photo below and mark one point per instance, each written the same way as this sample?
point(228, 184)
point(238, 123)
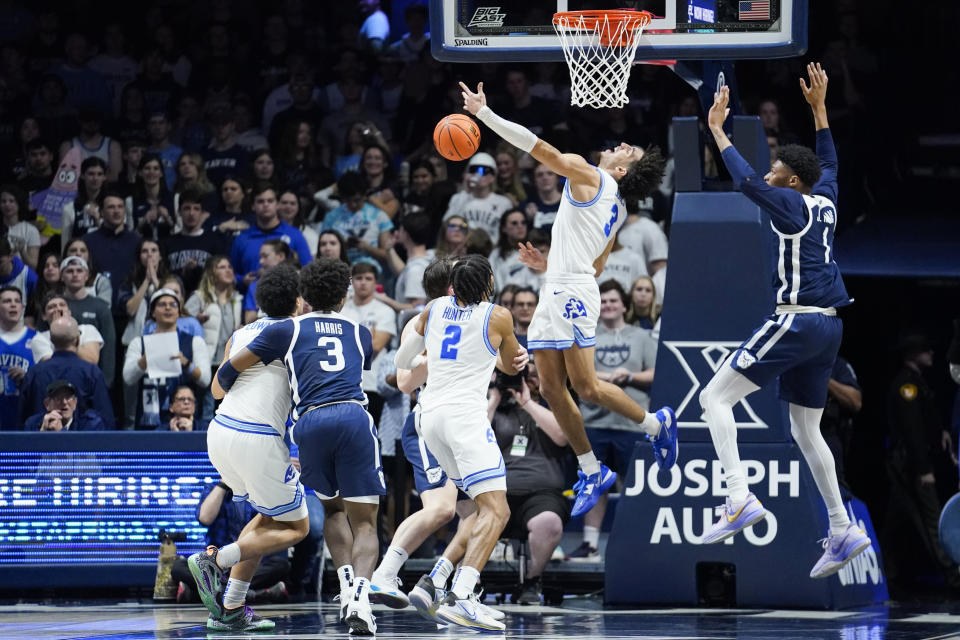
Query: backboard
point(521, 30)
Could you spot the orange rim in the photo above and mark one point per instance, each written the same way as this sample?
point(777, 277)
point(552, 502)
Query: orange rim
point(632, 20)
point(613, 16)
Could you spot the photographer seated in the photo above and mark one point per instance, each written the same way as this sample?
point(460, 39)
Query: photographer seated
point(224, 520)
point(534, 451)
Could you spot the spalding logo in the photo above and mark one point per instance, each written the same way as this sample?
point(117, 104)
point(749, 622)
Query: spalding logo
point(745, 359)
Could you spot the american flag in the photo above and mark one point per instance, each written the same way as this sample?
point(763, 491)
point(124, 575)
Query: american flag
point(755, 9)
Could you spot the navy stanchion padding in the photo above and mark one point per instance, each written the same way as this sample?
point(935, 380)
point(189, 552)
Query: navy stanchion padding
point(718, 291)
point(654, 554)
point(950, 528)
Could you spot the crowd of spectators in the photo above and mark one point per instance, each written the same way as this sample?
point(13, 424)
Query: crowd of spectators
point(153, 162)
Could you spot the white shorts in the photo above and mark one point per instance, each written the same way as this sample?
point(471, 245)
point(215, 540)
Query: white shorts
point(463, 443)
point(567, 312)
point(254, 461)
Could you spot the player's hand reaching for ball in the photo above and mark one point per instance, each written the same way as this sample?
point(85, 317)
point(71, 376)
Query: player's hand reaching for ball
point(473, 102)
point(719, 111)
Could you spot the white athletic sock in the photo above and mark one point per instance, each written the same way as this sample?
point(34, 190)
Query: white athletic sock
point(236, 593)
point(345, 574)
point(465, 581)
point(588, 463)
point(591, 535)
point(440, 572)
point(228, 556)
point(389, 567)
point(650, 425)
point(805, 429)
point(725, 390)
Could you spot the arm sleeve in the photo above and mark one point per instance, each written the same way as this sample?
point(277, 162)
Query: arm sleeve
point(273, 342)
point(366, 345)
point(785, 206)
point(516, 134)
point(827, 154)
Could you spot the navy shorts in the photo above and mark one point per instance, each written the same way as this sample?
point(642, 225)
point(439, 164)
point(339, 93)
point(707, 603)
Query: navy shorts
point(427, 473)
point(799, 348)
point(339, 452)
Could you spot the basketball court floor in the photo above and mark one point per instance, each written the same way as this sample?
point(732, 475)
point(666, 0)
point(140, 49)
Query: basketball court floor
point(577, 619)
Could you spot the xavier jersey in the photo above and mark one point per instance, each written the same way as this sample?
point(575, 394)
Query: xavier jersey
point(803, 226)
point(261, 394)
point(582, 230)
point(460, 357)
point(324, 354)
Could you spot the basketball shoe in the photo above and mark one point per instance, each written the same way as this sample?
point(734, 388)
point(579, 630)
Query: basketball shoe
point(239, 619)
point(734, 516)
point(467, 612)
point(590, 488)
point(209, 577)
point(665, 443)
point(388, 592)
point(839, 549)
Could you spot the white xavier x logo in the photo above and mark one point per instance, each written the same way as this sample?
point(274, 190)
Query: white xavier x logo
point(713, 354)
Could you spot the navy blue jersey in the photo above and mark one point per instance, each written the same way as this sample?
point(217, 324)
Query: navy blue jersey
point(324, 354)
point(803, 225)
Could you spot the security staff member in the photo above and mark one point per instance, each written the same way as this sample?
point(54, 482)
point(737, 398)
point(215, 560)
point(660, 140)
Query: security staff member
point(916, 438)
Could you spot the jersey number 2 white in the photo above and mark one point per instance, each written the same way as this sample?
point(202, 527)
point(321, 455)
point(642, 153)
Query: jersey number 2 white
point(334, 349)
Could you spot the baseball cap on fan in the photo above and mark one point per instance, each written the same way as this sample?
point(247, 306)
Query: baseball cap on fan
point(484, 160)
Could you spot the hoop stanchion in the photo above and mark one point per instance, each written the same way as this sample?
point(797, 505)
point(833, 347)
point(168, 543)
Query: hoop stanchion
point(599, 47)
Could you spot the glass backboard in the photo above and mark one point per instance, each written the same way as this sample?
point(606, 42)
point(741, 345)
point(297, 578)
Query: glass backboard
point(521, 31)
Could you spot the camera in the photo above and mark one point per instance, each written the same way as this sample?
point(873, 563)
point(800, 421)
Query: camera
point(173, 536)
point(505, 381)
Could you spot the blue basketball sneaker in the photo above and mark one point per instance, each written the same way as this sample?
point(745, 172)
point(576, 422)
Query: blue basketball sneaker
point(839, 549)
point(665, 443)
point(590, 488)
point(734, 516)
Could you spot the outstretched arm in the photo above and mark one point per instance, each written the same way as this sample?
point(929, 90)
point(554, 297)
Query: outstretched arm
point(816, 95)
point(568, 165)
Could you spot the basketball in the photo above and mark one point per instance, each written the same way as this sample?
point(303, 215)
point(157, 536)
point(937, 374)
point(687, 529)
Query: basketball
point(456, 137)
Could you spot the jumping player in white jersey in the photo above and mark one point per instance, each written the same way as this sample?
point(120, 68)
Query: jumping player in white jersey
point(465, 337)
point(245, 442)
point(798, 343)
point(564, 325)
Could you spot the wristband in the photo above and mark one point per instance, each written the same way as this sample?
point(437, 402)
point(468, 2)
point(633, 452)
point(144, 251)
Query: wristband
point(629, 378)
point(191, 368)
point(227, 375)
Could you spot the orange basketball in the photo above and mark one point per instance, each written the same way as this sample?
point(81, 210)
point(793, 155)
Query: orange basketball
point(456, 137)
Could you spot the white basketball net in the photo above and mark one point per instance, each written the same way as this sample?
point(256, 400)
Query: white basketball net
point(599, 72)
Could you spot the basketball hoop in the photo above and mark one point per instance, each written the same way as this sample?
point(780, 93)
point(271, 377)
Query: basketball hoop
point(599, 47)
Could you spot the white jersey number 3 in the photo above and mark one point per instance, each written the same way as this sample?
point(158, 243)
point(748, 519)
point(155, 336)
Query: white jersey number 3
point(334, 349)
